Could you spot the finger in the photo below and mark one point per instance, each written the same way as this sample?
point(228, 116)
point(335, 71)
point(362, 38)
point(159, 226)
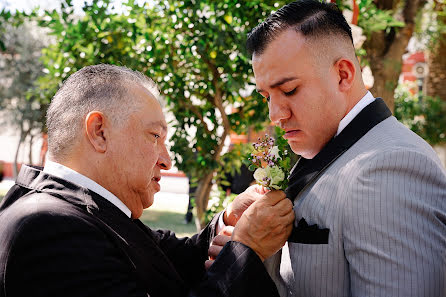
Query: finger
point(289, 218)
point(221, 240)
point(261, 190)
point(227, 231)
point(214, 250)
point(264, 190)
point(208, 263)
point(283, 207)
point(273, 197)
point(288, 230)
point(284, 221)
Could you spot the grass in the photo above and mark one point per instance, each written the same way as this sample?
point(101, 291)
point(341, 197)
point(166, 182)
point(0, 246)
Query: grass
point(162, 219)
point(167, 212)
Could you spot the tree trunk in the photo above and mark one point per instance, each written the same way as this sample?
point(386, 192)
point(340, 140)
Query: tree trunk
point(435, 84)
point(30, 155)
point(15, 168)
point(205, 186)
point(385, 50)
point(386, 76)
point(205, 183)
point(43, 149)
point(22, 137)
point(202, 199)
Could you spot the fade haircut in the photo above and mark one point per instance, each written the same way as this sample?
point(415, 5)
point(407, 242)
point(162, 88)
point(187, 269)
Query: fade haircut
point(103, 88)
point(309, 17)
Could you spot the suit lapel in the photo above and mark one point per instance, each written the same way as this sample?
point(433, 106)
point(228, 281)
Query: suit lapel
point(307, 170)
point(152, 266)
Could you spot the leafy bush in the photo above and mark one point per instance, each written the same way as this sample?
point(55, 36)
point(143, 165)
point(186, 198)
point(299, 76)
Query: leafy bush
point(422, 114)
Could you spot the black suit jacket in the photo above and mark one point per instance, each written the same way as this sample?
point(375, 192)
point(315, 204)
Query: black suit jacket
point(59, 239)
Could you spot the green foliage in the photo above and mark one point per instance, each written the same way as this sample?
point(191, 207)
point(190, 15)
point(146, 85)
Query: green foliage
point(233, 161)
point(424, 115)
point(10, 19)
point(202, 52)
point(372, 19)
point(218, 202)
point(194, 50)
point(230, 166)
point(101, 36)
point(431, 24)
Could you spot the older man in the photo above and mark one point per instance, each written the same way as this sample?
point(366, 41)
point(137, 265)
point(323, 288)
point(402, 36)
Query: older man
point(72, 229)
point(369, 195)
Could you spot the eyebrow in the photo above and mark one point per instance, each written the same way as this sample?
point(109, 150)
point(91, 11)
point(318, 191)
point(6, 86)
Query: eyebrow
point(159, 124)
point(278, 83)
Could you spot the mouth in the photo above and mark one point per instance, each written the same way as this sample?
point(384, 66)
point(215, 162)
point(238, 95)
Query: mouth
point(291, 133)
point(155, 183)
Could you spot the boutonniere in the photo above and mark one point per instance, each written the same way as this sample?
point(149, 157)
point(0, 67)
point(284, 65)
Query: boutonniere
point(271, 163)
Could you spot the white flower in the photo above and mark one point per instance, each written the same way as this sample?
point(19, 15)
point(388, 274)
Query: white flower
point(269, 177)
point(274, 151)
point(260, 174)
point(276, 175)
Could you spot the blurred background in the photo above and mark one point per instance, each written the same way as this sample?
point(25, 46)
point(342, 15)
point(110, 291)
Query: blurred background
point(195, 51)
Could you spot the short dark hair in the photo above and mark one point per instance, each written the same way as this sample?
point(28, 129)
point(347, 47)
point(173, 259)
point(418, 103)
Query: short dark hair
point(310, 17)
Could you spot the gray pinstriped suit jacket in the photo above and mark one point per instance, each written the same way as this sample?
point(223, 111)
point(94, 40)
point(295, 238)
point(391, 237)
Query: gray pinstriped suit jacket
point(384, 201)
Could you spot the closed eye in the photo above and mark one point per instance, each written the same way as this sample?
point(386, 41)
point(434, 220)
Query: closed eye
point(290, 93)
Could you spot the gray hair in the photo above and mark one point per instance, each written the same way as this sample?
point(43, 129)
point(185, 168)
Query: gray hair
point(102, 88)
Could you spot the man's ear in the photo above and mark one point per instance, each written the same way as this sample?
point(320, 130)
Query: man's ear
point(95, 127)
point(346, 73)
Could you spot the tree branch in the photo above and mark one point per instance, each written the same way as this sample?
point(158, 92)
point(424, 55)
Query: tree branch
point(189, 104)
point(404, 34)
point(218, 101)
point(218, 98)
point(197, 113)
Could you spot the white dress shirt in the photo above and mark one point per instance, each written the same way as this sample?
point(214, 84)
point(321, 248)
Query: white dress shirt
point(74, 177)
point(366, 100)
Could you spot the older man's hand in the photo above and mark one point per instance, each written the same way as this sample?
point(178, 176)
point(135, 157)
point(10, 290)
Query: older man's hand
point(266, 225)
point(236, 208)
point(217, 244)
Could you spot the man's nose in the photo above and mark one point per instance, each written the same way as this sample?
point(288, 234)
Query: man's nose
point(164, 161)
point(278, 110)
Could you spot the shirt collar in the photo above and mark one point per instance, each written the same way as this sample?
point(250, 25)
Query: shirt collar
point(70, 175)
point(366, 100)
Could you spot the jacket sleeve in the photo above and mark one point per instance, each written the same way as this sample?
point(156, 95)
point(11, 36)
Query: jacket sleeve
point(58, 254)
point(237, 271)
point(188, 254)
point(394, 226)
